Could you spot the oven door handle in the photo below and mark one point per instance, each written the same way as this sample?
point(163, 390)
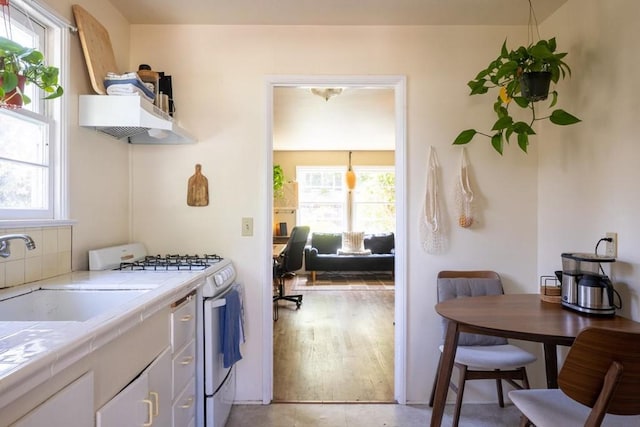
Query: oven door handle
point(220, 302)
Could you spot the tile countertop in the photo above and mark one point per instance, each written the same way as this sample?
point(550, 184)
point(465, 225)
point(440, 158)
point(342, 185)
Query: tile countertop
point(33, 352)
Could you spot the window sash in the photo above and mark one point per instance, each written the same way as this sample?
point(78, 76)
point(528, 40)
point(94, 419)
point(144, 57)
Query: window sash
point(321, 197)
point(27, 31)
point(44, 164)
point(374, 199)
point(324, 202)
point(34, 170)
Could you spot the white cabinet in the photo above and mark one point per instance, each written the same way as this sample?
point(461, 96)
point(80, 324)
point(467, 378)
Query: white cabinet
point(183, 367)
point(160, 389)
point(163, 395)
point(184, 406)
point(183, 322)
point(183, 346)
point(70, 407)
point(127, 408)
point(146, 401)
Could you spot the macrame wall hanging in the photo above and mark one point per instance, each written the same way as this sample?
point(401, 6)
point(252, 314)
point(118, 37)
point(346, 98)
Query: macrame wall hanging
point(432, 236)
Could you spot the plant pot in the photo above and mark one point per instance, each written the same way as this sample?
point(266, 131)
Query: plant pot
point(13, 98)
point(534, 85)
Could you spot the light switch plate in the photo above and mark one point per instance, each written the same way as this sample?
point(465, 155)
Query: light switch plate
point(247, 226)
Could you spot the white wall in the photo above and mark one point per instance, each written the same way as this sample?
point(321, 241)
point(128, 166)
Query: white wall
point(589, 172)
point(98, 165)
point(218, 82)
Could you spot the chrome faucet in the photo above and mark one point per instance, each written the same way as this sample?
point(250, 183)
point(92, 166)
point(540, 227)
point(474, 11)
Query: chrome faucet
point(5, 249)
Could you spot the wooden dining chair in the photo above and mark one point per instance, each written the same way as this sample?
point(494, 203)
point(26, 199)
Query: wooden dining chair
point(599, 384)
point(480, 357)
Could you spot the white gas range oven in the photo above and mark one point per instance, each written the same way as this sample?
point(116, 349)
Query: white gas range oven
point(215, 383)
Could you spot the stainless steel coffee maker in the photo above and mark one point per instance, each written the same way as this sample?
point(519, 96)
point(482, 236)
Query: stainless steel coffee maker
point(585, 287)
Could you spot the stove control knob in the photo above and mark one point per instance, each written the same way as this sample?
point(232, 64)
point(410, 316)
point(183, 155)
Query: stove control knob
point(219, 279)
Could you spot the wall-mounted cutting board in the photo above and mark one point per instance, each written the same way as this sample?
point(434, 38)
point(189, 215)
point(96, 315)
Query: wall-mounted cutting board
point(96, 45)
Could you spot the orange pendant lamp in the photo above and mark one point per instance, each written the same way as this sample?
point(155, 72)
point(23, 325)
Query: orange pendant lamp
point(351, 176)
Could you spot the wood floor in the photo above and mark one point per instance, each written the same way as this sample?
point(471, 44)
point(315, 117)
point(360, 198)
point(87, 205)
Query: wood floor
point(338, 347)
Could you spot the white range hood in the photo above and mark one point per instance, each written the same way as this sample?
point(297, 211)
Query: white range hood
point(131, 117)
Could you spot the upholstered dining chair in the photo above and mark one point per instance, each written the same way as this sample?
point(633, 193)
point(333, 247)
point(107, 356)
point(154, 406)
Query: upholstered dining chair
point(599, 384)
point(288, 261)
point(480, 356)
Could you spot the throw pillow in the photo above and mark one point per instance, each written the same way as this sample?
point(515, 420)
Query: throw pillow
point(353, 241)
point(326, 243)
point(379, 243)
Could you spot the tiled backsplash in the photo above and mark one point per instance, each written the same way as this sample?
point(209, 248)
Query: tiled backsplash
point(51, 257)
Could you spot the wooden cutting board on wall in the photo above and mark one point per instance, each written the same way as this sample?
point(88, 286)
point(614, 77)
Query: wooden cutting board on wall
point(96, 46)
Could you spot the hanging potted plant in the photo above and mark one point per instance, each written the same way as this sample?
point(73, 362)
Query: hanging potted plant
point(522, 76)
point(534, 85)
point(21, 65)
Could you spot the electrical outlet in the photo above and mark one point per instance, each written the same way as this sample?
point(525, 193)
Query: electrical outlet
point(247, 226)
point(611, 249)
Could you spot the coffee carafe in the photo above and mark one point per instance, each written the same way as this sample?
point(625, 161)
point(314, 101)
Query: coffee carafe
point(585, 287)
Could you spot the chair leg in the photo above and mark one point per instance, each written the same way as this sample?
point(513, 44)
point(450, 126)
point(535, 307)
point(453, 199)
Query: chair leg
point(435, 383)
point(525, 379)
point(524, 421)
point(460, 393)
point(281, 295)
point(275, 301)
point(499, 389)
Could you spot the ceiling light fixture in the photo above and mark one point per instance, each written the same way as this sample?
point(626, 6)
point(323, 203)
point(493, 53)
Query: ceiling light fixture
point(326, 92)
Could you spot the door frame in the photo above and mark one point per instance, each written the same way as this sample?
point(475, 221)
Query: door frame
point(398, 84)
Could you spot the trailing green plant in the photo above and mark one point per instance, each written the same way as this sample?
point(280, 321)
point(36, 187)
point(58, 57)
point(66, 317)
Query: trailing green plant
point(278, 181)
point(505, 73)
point(16, 61)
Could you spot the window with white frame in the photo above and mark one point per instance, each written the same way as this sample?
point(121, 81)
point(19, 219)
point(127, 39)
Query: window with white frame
point(322, 194)
point(374, 209)
point(31, 137)
point(324, 205)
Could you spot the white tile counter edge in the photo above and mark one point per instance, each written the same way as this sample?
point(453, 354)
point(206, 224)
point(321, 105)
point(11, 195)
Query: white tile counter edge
point(54, 346)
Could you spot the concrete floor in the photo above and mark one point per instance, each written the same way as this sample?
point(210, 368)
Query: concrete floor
point(366, 415)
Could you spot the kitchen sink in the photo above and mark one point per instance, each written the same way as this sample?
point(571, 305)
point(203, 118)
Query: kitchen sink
point(77, 305)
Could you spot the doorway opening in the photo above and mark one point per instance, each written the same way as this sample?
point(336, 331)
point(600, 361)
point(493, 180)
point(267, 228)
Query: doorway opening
point(397, 85)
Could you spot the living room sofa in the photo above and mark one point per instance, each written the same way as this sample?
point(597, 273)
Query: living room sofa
point(325, 253)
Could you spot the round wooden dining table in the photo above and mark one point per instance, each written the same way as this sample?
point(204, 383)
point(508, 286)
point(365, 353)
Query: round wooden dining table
point(518, 316)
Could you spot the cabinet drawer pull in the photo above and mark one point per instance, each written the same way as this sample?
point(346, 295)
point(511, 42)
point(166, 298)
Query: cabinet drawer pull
point(156, 405)
point(150, 414)
point(186, 318)
point(187, 360)
point(188, 404)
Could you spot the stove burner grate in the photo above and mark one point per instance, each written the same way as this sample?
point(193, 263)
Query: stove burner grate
point(172, 262)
